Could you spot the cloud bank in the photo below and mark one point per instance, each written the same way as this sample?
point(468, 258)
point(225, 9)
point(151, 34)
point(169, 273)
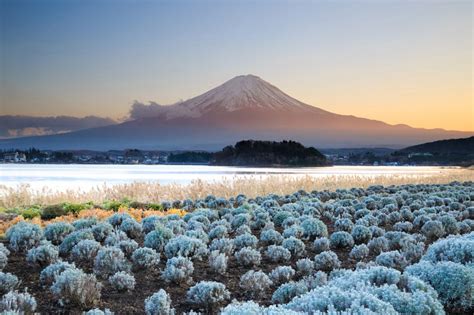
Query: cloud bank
point(141, 110)
point(21, 126)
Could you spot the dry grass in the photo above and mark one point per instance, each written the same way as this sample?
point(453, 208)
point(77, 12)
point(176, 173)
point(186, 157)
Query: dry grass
point(279, 184)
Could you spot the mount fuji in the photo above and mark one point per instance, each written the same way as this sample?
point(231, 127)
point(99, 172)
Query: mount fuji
point(245, 107)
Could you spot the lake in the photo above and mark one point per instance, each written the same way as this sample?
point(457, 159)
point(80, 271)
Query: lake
point(85, 176)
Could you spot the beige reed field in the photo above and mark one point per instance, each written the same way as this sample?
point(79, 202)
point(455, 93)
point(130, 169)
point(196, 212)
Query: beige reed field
point(254, 186)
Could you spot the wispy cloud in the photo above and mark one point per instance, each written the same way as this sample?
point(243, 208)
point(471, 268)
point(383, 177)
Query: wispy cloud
point(22, 126)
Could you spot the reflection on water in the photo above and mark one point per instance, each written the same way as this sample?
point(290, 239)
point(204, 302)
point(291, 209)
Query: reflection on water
point(60, 176)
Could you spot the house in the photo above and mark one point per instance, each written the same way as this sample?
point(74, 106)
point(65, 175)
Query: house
point(15, 157)
point(418, 154)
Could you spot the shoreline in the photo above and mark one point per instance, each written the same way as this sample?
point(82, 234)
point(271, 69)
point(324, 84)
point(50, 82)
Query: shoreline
point(257, 185)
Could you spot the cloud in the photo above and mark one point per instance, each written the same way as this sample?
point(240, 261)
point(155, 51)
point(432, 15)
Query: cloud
point(141, 110)
point(33, 131)
point(22, 126)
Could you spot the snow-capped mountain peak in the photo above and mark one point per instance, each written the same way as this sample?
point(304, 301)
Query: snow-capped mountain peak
point(242, 92)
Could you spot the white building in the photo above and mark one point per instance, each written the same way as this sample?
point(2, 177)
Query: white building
point(15, 157)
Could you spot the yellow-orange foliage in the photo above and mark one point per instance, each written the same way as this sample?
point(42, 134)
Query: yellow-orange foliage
point(100, 214)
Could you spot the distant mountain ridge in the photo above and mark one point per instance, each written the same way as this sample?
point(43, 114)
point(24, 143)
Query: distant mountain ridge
point(450, 146)
point(245, 107)
point(458, 152)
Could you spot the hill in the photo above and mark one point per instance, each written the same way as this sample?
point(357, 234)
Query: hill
point(269, 153)
point(444, 152)
point(245, 107)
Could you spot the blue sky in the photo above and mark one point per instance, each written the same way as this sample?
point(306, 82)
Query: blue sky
point(397, 61)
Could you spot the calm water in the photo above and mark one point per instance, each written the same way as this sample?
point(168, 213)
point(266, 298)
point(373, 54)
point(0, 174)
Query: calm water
point(60, 177)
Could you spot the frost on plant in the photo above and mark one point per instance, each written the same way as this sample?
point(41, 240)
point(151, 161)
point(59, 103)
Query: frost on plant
point(245, 240)
point(458, 249)
point(454, 282)
point(278, 253)
point(393, 259)
point(255, 283)
point(287, 291)
point(271, 237)
point(132, 228)
point(122, 281)
point(218, 262)
point(295, 246)
point(117, 219)
point(359, 252)
point(313, 228)
point(377, 290)
point(433, 229)
point(304, 266)
point(49, 274)
point(84, 223)
point(207, 294)
point(158, 238)
point(145, 258)
point(110, 260)
point(326, 261)
point(3, 260)
point(282, 274)
point(15, 302)
point(344, 224)
point(74, 287)
point(57, 231)
point(178, 270)
point(248, 256)
point(114, 238)
point(96, 311)
point(72, 239)
point(321, 245)
point(252, 308)
point(185, 246)
point(4, 250)
point(85, 250)
point(23, 236)
point(341, 240)
point(378, 245)
point(219, 231)
point(361, 234)
point(223, 245)
point(102, 230)
point(8, 282)
point(127, 247)
point(159, 304)
point(315, 280)
point(43, 255)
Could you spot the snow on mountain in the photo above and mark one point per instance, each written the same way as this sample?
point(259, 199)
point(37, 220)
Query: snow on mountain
point(241, 92)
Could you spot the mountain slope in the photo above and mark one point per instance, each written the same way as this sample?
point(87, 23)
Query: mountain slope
point(245, 107)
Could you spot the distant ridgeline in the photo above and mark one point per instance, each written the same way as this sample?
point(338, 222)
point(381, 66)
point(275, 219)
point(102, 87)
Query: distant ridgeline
point(443, 152)
point(269, 153)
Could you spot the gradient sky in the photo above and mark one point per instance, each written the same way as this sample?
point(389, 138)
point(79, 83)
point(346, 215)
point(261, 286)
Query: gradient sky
point(397, 61)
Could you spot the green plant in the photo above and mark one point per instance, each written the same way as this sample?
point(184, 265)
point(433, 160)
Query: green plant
point(75, 208)
point(53, 211)
point(31, 213)
point(112, 205)
point(155, 206)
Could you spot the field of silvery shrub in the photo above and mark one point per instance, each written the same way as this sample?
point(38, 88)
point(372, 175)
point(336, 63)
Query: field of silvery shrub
point(382, 250)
